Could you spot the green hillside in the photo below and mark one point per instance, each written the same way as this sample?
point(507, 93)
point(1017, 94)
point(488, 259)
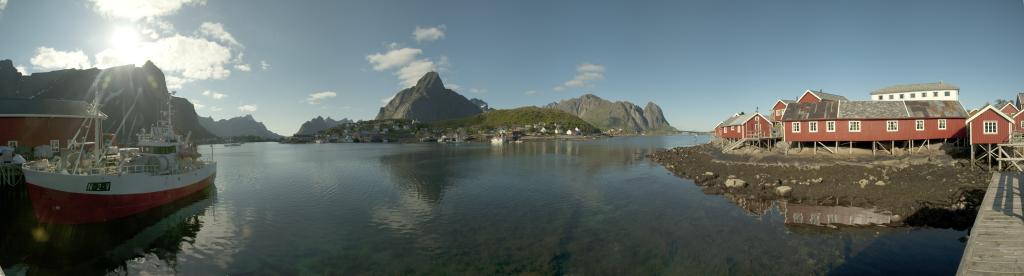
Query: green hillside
point(504, 118)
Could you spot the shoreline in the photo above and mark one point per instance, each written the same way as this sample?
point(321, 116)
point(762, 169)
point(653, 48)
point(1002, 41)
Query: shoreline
point(924, 190)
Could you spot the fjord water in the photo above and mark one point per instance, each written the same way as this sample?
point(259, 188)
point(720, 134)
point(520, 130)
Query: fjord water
point(590, 207)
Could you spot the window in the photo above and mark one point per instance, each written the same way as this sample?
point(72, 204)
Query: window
point(854, 126)
point(12, 143)
point(1021, 124)
point(879, 97)
point(830, 126)
point(892, 126)
point(812, 126)
point(919, 125)
point(796, 127)
point(912, 95)
point(924, 94)
point(935, 94)
point(55, 145)
point(942, 124)
point(947, 93)
point(990, 127)
point(901, 96)
point(890, 96)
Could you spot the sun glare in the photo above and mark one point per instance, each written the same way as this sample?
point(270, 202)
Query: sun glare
point(124, 37)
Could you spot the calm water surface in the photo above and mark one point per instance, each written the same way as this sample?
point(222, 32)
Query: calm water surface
point(579, 207)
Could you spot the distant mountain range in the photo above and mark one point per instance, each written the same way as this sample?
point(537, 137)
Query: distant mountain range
point(132, 97)
point(237, 127)
point(609, 115)
point(319, 124)
point(428, 101)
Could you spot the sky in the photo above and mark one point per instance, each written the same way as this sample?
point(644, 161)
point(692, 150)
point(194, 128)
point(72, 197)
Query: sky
point(285, 62)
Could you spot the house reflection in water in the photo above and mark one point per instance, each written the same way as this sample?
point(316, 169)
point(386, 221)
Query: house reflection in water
point(831, 215)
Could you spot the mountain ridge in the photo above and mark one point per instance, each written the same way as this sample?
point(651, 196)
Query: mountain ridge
point(428, 101)
point(616, 115)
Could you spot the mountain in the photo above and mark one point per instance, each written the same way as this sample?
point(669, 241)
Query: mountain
point(608, 115)
point(236, 127)
point(319, 124)
point(132, 97)
point(518, 117)
point(428, 101)
point(481, 104)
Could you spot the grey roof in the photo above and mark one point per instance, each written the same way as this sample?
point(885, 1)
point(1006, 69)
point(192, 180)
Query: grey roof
point(44, 107)
point(822, 110)
point(936, 109)
point(739, 120)
point(872, 110)
point(728, 122)
point(829, 96)
point(827, 110)
point(914, 87)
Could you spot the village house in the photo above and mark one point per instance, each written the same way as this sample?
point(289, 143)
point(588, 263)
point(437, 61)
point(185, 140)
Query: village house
point(741, 126)
point(811, 96)
point(849, 122)
point(990, 126)
point(918, 92)
point(31, 123)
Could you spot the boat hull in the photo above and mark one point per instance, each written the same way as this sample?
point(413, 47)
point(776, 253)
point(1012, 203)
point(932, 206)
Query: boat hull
point(67, 199)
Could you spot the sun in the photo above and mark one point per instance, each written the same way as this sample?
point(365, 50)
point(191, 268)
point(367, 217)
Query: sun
point(124, 37)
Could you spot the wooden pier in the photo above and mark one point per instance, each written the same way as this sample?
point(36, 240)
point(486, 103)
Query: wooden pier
point(996, 245)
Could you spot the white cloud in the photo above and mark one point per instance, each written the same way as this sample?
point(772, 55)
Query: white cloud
point(452, 86)
point(414, 71)
point(135, 9)
point(190, 57)
point(174, 82)
point(385, 101)
point(530, 92)
point(243, 67)
point(248, 108)
point(215, 109)
point(393, 59)
point(316, 97)
point(558, 88)
point(214, 95)
point(264, 65)
point(47, 58)
point(586, 74)
point(196, 104)
point(21, 68)
point(216, 31)
point(477, 91)
point(428, 34)
point(3, 4)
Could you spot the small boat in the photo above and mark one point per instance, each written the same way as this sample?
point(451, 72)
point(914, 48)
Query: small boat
point(106, 183)
point(497, 140)
point(233, 144)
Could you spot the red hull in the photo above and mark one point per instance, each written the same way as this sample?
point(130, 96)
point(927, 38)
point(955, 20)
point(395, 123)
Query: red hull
point(53, 206)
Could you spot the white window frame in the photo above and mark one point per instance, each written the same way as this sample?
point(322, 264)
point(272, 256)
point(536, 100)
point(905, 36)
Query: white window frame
point(830, 126)
point(812, 127)
point(12, 143)
point(55, 145)
point(850, 124)
point(919, 125)
point(892, 126)
point(985, 126)
point(1022, 124)
point(942, 124)
point(796, 127)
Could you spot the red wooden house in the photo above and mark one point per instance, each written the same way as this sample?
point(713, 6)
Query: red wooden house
point(779, 108)
point(990, 126)
point(811, 96)
point(30, 123)
point(1009, 109)
point(869, 121)
point(742, 126)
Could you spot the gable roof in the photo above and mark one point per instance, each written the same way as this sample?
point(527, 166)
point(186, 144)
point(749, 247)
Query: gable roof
point(828, 110)
point(824, 96)
point(914, 87)
point(987, 108)
point(728, 122)
point(12, 107)
point(784, 102)
point(1011, 105)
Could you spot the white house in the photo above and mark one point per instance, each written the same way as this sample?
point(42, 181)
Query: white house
point(937, 91)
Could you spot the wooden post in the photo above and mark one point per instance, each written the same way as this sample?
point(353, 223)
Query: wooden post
point(851, 147)
point(892, 148)
point(837, 146)
point(972, 157)
point(815, 147)
point(873, 147)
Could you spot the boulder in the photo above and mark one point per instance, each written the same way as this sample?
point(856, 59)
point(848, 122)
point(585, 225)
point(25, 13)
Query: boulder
point(880, 183)
point(783, 191)
point(863, 183)
point(735, 183)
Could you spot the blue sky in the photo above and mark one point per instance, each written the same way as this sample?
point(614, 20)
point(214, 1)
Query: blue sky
point(699, 60)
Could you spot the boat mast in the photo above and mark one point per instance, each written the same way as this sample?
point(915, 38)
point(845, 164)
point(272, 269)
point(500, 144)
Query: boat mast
point(97, 128)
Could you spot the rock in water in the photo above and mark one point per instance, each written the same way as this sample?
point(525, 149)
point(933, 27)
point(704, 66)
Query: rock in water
point(735, 183)
point(428, 101)
point(609, 115)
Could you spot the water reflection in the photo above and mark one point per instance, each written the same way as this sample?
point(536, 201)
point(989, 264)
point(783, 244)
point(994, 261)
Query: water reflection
point(91, 249)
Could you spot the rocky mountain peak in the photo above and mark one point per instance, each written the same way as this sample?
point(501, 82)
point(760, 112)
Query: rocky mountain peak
point(430, 82)
point(428, 101)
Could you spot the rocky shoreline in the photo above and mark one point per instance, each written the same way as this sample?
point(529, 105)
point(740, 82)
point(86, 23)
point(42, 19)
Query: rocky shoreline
point(931, 189)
